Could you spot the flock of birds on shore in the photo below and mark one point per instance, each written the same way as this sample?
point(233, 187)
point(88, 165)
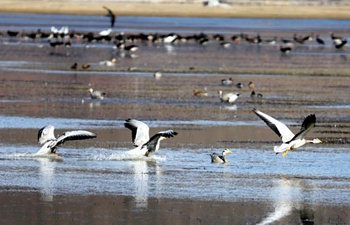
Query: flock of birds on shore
point(128, 43)
point(143, 143)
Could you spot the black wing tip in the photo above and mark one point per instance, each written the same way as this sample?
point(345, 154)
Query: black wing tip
point(128, 124)
point(40, 132)
point(255, 110)
point(310, 119)
point(171, 133)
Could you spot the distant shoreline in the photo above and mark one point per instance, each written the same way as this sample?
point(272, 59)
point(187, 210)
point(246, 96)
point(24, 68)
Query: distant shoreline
point(176, 10)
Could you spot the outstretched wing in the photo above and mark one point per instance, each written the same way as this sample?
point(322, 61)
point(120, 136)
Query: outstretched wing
point(279, 128)
point(160, 136)
point(166, 134)
point(139, 131)
point(74, 135)
point(111, 15)
point(46, 134)
point(153, 144)
point(308, 124)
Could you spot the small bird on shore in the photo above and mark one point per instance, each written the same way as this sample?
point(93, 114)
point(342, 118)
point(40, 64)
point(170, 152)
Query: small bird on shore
point(74, 66)
point(339, 44)
point(319, 40)
point(287, 48)
point(85, 66)
point(216, 158)
point(108, 62)
point(12, 33)
point(96, 94)
point(46, 137)
point(200, 93)
point(290, 141)
point(157, 75)
point(258, 95)
point(227, 82)
point(105, 32)
point(251, 85)
point(228, 97)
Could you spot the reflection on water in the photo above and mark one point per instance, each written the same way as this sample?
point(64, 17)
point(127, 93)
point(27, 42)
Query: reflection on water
point(286, 197)
point(288, 200)
point(47, 172)
point(140, 170)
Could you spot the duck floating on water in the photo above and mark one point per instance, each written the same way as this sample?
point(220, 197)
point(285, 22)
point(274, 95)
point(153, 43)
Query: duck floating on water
point(216, 158)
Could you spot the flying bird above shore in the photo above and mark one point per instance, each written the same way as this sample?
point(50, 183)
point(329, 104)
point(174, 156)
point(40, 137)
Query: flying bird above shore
point(111, 15)
point(46, 137)
point(216, 158)
point(140, 137)
point(290, 141)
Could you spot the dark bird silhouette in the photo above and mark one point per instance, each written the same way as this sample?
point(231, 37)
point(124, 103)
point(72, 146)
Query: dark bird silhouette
point(286, 48)
point(74, 66)
point(111, 15)
point(319, 40)
point(12, 33)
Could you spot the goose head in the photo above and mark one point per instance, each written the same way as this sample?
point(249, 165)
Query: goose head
point(316, 141)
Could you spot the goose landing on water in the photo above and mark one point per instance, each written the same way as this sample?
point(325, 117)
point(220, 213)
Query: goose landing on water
point(140, 137)
point(46, 137)
point(290, 141)
point(216, 158)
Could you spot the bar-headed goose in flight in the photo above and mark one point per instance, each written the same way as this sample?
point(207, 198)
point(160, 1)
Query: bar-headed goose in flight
point(111, 15)
point(290, 141)
point(46, 137)
point(140, 137)
point(216, 158)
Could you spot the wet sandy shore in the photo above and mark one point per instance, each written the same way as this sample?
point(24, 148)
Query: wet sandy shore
point(173, 9)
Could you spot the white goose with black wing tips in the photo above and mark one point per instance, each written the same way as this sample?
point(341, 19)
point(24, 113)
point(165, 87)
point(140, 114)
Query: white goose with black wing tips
point(140, 138)
point(139, 131)
point(46, 137)
point(290, 141)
